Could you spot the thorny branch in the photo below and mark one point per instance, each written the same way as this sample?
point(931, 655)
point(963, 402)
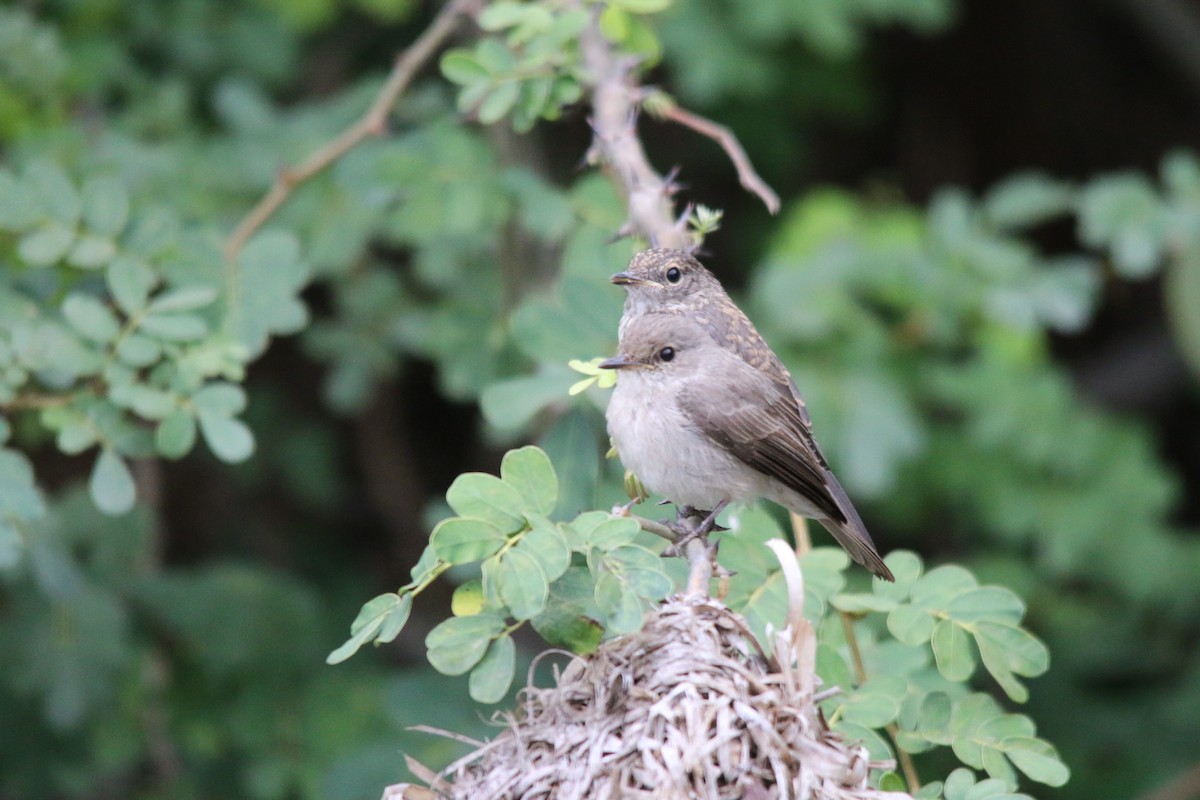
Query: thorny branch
point(373, 123)
point(615, 98)
point(660, 105)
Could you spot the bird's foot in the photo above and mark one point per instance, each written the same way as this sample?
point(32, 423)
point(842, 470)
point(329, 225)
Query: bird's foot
point(687, 531)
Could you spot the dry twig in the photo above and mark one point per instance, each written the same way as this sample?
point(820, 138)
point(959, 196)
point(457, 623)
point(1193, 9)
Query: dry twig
point(615, 100)
point(373, 123)
point(750, 179)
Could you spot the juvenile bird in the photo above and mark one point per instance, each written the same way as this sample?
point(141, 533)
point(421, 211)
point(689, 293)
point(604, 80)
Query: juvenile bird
point(705, 413)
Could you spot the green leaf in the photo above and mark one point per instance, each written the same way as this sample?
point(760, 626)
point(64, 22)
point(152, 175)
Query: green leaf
point(270, 278)
point(1027, 199)
point(174, 327)
point(495, 57)
point(987, 790)
point(146, 401)
point(136, 350)
point(175, 435)
point(11, 542)
point(228, 438)
point(486, 497)
point(862, 603)
point(91, 318)
point(958, 783)
point(547, 544)
point(396, 619)
point(462, 67)
point(45, 245)
point(934, 717)
point(1181, 295)
point(457, 644)
point(570, 618)
point(1006, 650)
point(642, 6)
point(105, 205)
point(613, 533)
point(19, 495)
point(869, 709)
point(49, 184)
point(523, 585)
point(529, 471)
point(111, 484)
point(189, 298)
point(493, 675)
point(1037, 759)
point(75, 437)
point(91, 252)
point(906, 567)
point(17, 209)
point(503, 14)
point(368, 622)
point(911, 625)
point(225, 399)
point(499, 101)
point(621, 608)
point(129, 281)
point(952, 651)
point(936, 588)
point(462, 540)
point(994, 603)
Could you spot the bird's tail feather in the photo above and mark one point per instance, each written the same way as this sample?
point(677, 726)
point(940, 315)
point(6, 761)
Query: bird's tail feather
point(852, 534)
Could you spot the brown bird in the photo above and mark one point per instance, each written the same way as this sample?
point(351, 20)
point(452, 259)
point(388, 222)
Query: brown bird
point(705, 413)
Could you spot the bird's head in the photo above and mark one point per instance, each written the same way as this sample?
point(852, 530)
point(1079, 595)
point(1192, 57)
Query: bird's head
point(659, 278)
point(661, 344)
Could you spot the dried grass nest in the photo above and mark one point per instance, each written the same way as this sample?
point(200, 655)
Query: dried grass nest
point(688, 707)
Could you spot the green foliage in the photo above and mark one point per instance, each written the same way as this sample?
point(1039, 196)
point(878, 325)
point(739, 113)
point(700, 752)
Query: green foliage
point(135, 135)
point(570, 580)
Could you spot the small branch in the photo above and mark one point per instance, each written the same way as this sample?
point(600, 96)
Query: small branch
point(860, 674)
point(615, 100)
point(33, 402)
point(657, 528)
point(800, 534)
point(373, 123)
point(700, 560)
point(747, 176)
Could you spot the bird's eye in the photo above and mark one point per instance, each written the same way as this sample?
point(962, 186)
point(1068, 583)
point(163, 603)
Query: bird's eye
point(667, 353)
point(673, 275)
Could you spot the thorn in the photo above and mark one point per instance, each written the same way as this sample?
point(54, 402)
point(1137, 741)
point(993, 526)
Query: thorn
point(626, 230)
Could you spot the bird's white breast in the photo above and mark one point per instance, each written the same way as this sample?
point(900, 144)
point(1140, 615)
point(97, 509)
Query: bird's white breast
point(672, 457)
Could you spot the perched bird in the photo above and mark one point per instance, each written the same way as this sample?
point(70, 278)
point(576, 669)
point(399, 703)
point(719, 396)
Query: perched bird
point(705, 413)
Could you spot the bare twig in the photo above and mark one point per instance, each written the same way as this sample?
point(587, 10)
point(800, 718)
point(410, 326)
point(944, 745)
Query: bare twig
point(657, 528)
point(747, 176)
point(800, 534)
point(700, 556)
point(615, 99)
point(373, 123)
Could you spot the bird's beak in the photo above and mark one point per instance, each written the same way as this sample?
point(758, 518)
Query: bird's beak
point(625, 279)
point(619, 362)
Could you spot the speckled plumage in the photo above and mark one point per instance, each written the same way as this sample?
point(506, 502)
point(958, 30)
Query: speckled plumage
point(723, 419)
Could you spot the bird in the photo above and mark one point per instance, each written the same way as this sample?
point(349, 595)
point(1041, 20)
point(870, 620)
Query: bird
point(706, 414)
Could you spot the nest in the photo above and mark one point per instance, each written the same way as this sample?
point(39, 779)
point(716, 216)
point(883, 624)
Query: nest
point(688, 707)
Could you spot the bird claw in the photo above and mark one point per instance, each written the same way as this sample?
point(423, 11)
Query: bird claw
point(686, 531)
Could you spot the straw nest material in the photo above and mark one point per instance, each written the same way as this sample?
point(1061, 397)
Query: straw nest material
point(688, 707)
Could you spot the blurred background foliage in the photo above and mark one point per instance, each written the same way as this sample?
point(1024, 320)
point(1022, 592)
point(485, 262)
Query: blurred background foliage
point(986, 279)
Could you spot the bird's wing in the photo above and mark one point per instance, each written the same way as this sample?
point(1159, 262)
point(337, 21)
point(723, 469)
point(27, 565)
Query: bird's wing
point(759, 422)
point(734, 331)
